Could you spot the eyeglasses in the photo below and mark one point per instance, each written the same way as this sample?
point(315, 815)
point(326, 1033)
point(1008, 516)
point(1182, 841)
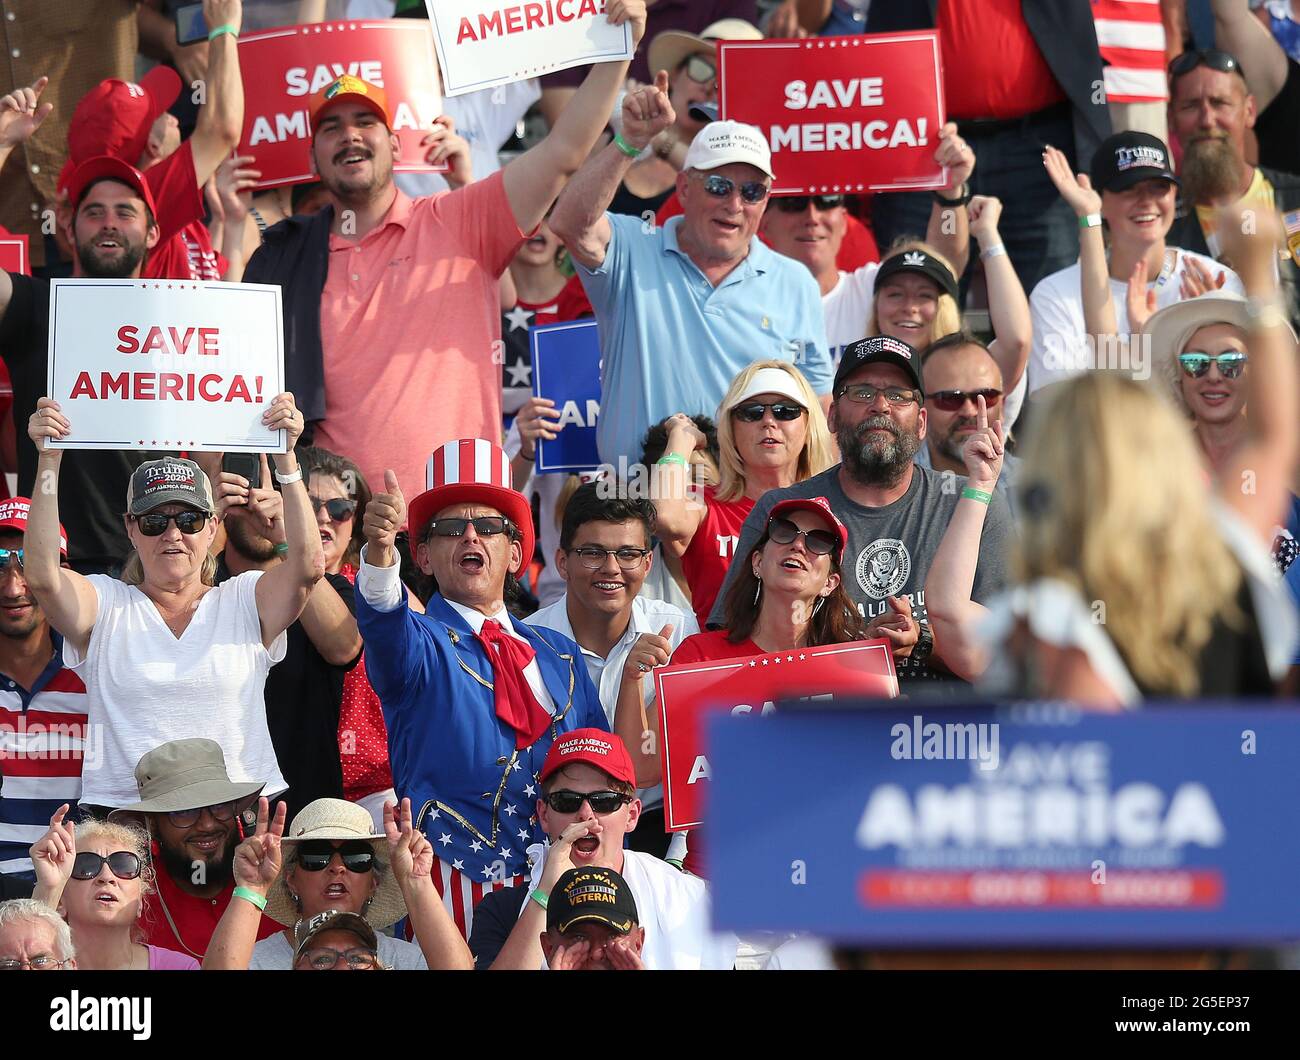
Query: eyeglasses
point(818, 542)
point(121, 863)
point(337, 508)
point(222, 812)
point(752, 191)
point(799, 203)
point(594, 558)
point(601, 802)
point(752, 413)
point(484, 526)
point(1196, 364)
point(866, 395)
point(41, 963)
point(699, 69)
point(315, 855)
point(953, 400)
point(1211, 57)
point(325, 959)
point(155, 523)
point(6, 554)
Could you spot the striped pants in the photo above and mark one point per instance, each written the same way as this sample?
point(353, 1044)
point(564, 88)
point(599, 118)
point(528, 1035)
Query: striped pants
point(460, 893)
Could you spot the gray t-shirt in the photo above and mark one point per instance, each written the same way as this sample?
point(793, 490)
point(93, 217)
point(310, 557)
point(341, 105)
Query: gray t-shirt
point(274, 954)
point(891, 547)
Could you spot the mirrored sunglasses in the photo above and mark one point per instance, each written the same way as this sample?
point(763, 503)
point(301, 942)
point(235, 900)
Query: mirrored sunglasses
point(1195, 363)
point(752, 192)
point(314, 855)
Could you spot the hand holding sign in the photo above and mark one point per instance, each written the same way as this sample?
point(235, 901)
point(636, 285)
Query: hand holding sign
point(647, 112)
point(444, 145)
point(48, 421)
point(957, 155)
point(385, 516)
point(632, 11)
point(21, 113)
point(537, 419)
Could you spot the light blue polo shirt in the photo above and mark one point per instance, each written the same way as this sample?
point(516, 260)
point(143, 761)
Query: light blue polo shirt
point(672, 342)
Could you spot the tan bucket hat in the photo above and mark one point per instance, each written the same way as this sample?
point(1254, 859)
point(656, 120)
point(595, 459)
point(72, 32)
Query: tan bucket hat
point(185, 775)
point(338, 820)
point(671, 48)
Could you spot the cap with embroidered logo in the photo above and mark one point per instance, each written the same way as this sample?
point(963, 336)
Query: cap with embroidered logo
point(349, 89)
point(879, 349)
point(1129, 158)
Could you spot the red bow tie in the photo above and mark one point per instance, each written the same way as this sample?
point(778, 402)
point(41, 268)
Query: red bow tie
point(513, 697)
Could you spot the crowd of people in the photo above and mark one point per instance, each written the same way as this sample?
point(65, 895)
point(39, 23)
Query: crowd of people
point(386, 699)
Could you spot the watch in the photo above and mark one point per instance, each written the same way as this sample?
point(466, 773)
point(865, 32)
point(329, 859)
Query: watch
point(961, 200)
point(922, 648)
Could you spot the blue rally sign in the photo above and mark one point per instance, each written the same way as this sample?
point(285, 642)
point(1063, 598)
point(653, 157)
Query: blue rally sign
point(566, 369)
point(1022, 826)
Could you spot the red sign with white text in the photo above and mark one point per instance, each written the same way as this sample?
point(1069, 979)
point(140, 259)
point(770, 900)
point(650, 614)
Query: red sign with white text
point(753, 685)
point(13, 253)
point(841, 114)
point(284, 68)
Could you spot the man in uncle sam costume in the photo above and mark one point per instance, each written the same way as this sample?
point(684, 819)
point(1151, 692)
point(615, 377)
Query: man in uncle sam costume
point(472, 699)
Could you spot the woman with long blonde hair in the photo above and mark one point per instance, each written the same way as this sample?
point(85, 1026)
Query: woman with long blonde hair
point(772, 433)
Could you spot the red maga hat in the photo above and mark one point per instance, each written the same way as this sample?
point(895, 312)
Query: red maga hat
point(106, 167)
point(818, 506)
point(13, 516)
point(595, 747)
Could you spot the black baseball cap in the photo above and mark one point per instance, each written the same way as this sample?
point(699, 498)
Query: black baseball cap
point(879, 349)
point(596, 894)
point(1129, 158)
point(921, 263)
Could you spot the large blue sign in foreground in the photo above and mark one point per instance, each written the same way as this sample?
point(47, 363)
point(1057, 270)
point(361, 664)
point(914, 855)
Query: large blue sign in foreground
point(937, 826)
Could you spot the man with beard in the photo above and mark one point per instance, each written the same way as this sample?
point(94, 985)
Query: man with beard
point(195, 817)
point(958, 369)
point(1210, 109)
point(304, 691)
point(896, 510)
point(40, 769)
point(113, 227)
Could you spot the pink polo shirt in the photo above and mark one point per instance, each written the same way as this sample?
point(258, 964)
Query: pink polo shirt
point(410, 321)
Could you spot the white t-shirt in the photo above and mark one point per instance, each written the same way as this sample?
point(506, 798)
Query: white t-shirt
point(847, 307)
point(1061, 348)
point(274, 954)
point(145, 686)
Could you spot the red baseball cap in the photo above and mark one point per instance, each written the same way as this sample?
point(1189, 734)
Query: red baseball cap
point(106, 167)
point(114, 117)
point(818, 506)
point(596, 748)
point(349, 89)
point(13, 516)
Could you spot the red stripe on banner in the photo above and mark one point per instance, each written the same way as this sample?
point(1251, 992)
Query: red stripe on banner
point(1026, 888)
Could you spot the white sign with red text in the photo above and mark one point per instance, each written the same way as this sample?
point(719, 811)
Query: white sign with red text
point(484, 43)
point(166, 364)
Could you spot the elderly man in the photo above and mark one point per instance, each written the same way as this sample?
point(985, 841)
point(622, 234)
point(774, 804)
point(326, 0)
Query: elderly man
point(1210, 109)
point(34, 938)
point(592, 924)
point(392, 305)
point(472, 700)
point(683, 307)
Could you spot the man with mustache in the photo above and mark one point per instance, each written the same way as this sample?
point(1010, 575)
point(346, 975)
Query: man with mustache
point(895, 509)
point(1210, 109)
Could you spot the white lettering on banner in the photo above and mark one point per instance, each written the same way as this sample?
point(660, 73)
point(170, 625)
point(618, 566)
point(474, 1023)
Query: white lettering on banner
point(855, 92)
point(848, 136)
point(295, 126)
point(572, 413)
point(297, 84)
point(700, 770)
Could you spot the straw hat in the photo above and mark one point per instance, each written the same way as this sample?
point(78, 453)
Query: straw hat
point(670, 49)
point(338, 820)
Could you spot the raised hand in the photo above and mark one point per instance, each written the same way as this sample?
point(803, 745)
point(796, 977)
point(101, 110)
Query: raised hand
point(409, 852)
point(984, 212)
point(956, 154)
point(633, 11)
point(1198, 280)
point(21, 113)
point(233, 185)
point(647, 112)
point(385, 516)
point(443, 144)
point(283, 415)
point(681, 426)
point(54, 853)
point(983, 450)
point(259, 857)
point(784, 22)
point(47, 421)
point(1139, 300)
point(1075, 190)
point(649, 651)
point(537, 419)
point(559, 855)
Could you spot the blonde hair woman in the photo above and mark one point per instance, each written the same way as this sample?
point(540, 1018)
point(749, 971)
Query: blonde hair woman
point(96, 876)
point(771, 433)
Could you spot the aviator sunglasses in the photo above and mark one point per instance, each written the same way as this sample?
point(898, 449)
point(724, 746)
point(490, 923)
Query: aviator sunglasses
point(1196, 364)
point(752, 191)
point(953, 400)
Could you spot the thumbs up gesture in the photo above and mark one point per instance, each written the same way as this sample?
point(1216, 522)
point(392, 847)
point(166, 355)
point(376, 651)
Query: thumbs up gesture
point(647, 112)
point(385, 515)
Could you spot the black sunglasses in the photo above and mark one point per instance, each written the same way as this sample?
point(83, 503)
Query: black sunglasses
point(121, 863)
point(314, 855)
point(819, 542)
point(953, 400)
point(1211, 57)
point(222, 812)
point(337, 508)
point(602, 802)
point(751, 192)
point(755, 411)
point(799, 203)
point(1196, 364)
point(155, 523)
point(484, 526)
point(6, 554)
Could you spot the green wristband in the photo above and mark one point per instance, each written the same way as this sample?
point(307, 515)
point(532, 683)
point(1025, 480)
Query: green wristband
point(250, 896)
point(282, 549)
point(1092, 220)
point(227, 28)
point(672, 458)
point(626, 148)
point(539, 896)
point(970, 493)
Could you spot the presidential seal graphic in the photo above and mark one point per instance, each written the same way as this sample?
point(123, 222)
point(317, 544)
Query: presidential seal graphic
point(883, 567)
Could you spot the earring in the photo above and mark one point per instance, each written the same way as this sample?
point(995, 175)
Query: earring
point(817, 606)
point(294, 898)
point(758, 590)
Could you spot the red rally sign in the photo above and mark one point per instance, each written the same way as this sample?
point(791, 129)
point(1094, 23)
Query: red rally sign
point(13, 253)
point(283, 68)
point(841, 114)
point(688, 692)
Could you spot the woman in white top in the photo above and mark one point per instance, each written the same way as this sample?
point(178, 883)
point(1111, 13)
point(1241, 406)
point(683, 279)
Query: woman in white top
point(164, 653)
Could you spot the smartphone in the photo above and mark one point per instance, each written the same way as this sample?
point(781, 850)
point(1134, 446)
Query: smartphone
point(190, 26)
point(247, 464)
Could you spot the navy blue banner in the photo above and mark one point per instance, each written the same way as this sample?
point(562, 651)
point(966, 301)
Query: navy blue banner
point(566, 369)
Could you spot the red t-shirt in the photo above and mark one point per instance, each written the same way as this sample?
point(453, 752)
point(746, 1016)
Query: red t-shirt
point(707, 557)
point(195, 918)
point(185, 250)
point(705, 647)
point(992, 67)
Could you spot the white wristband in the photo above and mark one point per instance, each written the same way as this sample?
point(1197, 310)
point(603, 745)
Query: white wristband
point(1092, 220)
point(285, 480)
point(997, 250)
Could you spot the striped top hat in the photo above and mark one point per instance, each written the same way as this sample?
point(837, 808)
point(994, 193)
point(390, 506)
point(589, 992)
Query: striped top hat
point(471, 471)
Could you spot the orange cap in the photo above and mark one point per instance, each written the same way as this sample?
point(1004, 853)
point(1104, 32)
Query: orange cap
point(348, 88)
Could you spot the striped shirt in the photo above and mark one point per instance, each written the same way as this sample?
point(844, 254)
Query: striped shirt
point(42, 737)
point(1132, 40)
